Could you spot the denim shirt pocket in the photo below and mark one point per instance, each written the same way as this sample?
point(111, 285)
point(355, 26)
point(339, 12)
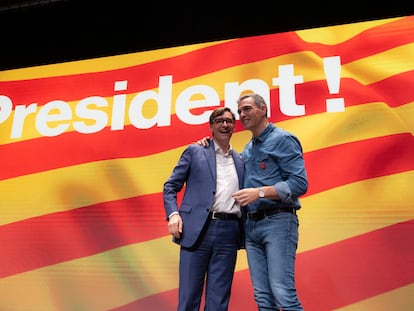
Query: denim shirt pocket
point(267, 166)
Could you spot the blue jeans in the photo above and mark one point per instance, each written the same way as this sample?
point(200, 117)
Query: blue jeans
point(271, 245)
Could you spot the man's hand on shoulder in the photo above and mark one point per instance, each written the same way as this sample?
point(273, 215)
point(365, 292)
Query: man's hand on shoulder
point(205, 141)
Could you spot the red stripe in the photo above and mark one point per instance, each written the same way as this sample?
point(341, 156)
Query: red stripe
point(145, 76)
point(130, 141)
point(81, 232)
point(358, 161)
point(329, 277)
point(347, 162)
point(72, 148)
point(372, 41)
point(392, 91)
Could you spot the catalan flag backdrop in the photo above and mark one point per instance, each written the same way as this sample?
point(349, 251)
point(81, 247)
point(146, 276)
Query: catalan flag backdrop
point(86, 146)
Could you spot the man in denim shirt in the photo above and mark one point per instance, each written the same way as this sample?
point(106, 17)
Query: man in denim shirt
point(275, 178)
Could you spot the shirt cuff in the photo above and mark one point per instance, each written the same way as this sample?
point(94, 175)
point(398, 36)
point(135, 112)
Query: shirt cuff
point(172, 214)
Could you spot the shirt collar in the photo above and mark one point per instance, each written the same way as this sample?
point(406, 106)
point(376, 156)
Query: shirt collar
point(269, 128)
point(219, 150)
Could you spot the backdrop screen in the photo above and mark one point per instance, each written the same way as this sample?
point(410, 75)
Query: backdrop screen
point(86, 146)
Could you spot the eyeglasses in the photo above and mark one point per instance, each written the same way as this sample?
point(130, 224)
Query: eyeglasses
point(221, 121)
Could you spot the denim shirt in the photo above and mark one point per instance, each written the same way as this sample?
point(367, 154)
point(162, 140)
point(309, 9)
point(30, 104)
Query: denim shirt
point(275, 158)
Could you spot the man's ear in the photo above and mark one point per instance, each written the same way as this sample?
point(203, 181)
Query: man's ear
point(264, 110)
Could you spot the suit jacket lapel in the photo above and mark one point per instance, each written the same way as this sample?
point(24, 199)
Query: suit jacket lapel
point(239, 164)
point(211, 159)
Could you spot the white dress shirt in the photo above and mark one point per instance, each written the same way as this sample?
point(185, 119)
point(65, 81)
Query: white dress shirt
point(227, 182)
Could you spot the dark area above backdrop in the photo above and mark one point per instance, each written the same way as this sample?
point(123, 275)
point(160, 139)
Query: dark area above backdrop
point(51, 31)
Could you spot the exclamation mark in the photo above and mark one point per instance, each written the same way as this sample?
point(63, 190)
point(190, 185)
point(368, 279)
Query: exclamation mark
point(332, 68)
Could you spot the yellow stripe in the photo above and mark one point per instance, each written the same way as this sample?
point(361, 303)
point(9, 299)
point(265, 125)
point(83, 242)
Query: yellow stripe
point(77, 186)
point(310, 66)
point(355, 124)
point(381, 65)
point(398, 299)
point(98, 282)
point(125, 274)
point(83, 185)
point(100, 64)
point(332, 35)
point(406, 115)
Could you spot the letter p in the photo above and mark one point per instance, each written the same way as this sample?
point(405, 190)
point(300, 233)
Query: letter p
point(5, 108)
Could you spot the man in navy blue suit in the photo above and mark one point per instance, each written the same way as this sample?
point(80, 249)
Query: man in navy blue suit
point(208, 224)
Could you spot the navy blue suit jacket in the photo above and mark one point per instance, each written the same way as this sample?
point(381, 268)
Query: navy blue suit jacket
point(196, 169)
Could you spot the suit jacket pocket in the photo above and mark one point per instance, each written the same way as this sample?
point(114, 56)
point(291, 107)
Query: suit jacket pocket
point(186, 208)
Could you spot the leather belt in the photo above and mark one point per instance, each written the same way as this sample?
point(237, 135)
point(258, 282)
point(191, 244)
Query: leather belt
point(259, 215)
point(223, 216)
